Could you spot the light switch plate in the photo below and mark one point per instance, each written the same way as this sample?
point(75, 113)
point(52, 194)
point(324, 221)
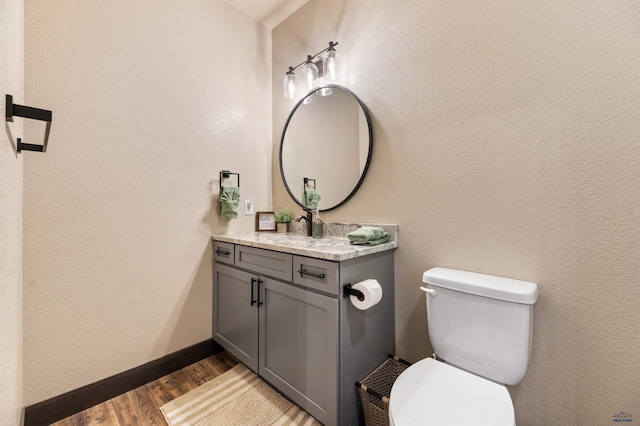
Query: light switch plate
point(248, 207)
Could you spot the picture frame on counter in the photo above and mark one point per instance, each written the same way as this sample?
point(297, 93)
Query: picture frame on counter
point(265, 222)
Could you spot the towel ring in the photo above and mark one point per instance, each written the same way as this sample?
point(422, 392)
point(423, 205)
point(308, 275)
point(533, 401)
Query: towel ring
point(225, 174)
point(306, 182)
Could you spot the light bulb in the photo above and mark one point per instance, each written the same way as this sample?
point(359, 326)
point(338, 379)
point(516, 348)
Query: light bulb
point(324, 91)
point(290, 84)
point(309, 75)
point(331, 64)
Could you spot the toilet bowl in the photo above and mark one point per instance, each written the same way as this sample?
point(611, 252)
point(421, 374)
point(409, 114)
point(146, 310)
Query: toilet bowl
point(480, 326)
point(431, 393)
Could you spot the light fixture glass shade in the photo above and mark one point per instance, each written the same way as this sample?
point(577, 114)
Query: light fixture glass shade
point(307, 100)
point(290, 85)
point(331, 64)
point(309, 75)
point(324, 91)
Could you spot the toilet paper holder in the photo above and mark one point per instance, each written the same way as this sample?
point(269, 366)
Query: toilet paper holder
point(349, 291)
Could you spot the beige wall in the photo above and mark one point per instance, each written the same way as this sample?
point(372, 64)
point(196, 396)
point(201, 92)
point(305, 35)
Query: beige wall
point(11, 82)
point(150, 100)
point(506, 142)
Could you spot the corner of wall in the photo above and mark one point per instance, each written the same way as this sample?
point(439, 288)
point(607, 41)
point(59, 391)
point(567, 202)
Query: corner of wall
point(12, 81)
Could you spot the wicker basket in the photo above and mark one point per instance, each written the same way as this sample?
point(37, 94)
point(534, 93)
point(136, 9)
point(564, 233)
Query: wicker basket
point(375, 390)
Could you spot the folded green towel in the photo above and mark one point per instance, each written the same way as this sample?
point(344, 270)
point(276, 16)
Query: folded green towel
point(228, 202)
point(368, 235)
point(371, 242)
point(311, 199)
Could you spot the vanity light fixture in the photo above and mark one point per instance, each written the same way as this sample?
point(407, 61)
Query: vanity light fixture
point(310, 74)
point(328, 67)
point(290, 84)
point(331, 63)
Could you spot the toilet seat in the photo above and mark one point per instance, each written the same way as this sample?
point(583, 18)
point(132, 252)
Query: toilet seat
point(432, 393)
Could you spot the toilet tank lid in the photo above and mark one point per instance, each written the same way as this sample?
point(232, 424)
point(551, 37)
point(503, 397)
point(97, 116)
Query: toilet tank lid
point(491, 286)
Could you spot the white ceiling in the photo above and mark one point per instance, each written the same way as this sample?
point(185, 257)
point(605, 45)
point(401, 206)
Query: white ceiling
point(269, 12)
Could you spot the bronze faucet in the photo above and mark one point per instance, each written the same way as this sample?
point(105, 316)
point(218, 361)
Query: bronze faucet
point(309, 219)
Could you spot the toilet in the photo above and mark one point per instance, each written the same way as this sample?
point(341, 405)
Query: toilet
point(480, 329)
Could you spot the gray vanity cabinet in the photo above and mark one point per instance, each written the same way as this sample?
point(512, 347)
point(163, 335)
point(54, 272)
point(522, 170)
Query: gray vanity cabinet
point(286, 334)
point(287, 318)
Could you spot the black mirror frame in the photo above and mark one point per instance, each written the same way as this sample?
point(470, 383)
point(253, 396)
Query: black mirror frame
point(366, 166)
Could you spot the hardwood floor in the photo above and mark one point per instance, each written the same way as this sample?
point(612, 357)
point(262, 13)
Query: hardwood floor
point(141, 406)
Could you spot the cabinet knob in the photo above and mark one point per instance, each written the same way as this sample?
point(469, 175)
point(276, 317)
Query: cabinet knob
point(220, 252)
point(303, 272)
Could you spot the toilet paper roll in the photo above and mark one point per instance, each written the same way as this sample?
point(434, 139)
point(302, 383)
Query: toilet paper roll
point(372, 291)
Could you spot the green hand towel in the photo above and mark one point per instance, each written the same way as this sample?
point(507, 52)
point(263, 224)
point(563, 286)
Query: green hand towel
point(371, 242)
point(228, 202)
point(311, 199)
point(368, 235)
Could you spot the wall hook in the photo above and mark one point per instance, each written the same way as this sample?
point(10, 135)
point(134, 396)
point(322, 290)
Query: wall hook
point(32, 113)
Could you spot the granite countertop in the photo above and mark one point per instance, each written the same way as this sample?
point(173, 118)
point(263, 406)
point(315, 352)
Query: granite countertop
point(334, 246)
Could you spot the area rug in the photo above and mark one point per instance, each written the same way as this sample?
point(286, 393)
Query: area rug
point(237, 397)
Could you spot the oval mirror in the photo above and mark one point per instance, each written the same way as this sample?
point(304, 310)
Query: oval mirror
point(326, 145)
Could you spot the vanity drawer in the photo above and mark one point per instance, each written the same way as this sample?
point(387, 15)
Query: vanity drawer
point(264, 262)
point(223, 252)
point(318, 274)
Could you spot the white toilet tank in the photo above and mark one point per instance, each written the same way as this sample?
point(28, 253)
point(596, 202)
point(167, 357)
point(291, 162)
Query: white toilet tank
point(481, 323)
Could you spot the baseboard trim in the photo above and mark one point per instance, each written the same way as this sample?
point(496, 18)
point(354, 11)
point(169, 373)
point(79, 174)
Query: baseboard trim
point(62, 406)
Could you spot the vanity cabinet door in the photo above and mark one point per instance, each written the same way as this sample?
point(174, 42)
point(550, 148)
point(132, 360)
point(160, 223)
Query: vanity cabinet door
point(299, 346)
point(235, 314)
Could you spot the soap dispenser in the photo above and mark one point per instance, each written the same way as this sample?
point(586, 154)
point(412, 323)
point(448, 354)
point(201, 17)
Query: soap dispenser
point(317, 229)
